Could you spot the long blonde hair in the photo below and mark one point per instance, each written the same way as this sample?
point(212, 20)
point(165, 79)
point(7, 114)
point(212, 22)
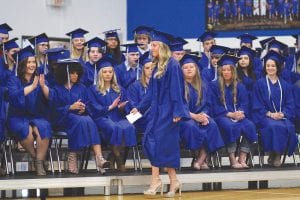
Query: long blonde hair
point(78, 54)
point(113, 83)
point(162, 60)
point(197, 84)
point(222, 84)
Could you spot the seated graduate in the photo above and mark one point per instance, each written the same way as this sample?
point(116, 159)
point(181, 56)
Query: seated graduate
point(201, 133)
point(176, 48)
point(91, 67)
point(41, 45)
point(230, 104)
point(112, 48)
point(296, 92)
point(70, 98)
point(142, 38)
point(28, 96)
point(129, 71)
point(274, 110)
point(137, 90)
point(49, 69)
point(108, 104)
point(246, 73)
point(210, 73)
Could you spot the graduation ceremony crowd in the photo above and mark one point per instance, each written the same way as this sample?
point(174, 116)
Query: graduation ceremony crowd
point(203, 102)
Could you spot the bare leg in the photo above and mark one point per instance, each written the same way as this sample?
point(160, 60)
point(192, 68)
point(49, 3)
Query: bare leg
point(156, 183)
point(174, 183)
point(42, 145)
point(28, 143)
point(100, 161)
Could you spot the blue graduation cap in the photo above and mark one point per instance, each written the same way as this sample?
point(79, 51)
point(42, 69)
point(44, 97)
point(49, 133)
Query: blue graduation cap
point(278, 45)
point(5, 28)
point(142, 30)
point(187, 58)
point(77, 33)
point(161, 37)
point(105, 62)
point(246, 51)
point(111, 33)
point(207, 35)
point(273, 55)
point(55, 54)
point(264, 43)
point(177, 44)
point(228, 60)
point(219, 50)
point(38, 39)
point(246, 38)
point(95, 42)
point(145, 58)
point(10, 44)
point(133, 47)
point(22, 55)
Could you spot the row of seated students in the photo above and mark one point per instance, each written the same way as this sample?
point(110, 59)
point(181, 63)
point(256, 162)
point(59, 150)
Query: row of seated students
point(227, 96)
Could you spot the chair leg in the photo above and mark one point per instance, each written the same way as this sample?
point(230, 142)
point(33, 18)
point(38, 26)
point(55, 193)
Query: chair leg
point(218, 159)
point(134, 158)
point(294, 158)
point(11, 156)
point(5, 157)
point(139, 159)
point(51, 159)
point(57, 155)
point(88, 154)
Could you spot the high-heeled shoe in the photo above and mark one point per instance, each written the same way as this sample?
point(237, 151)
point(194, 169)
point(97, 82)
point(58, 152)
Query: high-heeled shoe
point(177, 186)
point(101, 163)
point(72, 163)
point(154, 188)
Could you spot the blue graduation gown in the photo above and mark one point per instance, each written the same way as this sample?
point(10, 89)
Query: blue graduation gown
point(274, 133)
point(209, 74)
point(4, 76)
point(231, 130)
point(203, 62)
point(296, 92)
point(26, 110)
point(114, 126)
point(81, 129)
point(135, 93)
point(165, 98)
point(192, 134)
point(126, 78)
point(88, 75)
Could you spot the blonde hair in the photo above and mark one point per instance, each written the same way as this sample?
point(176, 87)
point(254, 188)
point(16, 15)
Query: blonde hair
point(39, 57)
point(78, 54)
point(143, 78)
point(113, 83)
point(222, 84)
point(197, 84)
point(162, 60)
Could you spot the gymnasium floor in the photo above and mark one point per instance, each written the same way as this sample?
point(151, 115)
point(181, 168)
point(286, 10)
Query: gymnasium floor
point(274, 194)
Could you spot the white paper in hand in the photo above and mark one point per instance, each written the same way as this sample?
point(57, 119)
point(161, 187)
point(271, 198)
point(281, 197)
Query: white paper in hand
point(133, 117)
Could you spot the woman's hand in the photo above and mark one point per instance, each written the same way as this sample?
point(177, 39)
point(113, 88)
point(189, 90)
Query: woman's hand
point(78, 105)
point(35, 82)
point(115, 103)
point(122, 104)
point(134, 111)
point(176, 119)
point(239, 115)
point(42, 80)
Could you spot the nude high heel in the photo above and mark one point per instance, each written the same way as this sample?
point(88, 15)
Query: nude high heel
point(177, 186)
point(154, 188)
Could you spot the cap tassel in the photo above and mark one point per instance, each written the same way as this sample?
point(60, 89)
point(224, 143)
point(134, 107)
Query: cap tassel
point(95, 74)
point(209, 59)
point(4, 54)
point(69, 81)
point(70, 45)
point(17, 63)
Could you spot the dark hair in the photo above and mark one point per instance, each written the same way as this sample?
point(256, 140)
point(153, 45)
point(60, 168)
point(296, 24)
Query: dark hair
point(99, 50)
point(250, 72)
point(61, 74)
point(22, 70)
point(115, 53)
point(278, 67)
